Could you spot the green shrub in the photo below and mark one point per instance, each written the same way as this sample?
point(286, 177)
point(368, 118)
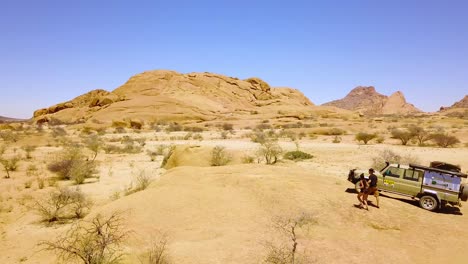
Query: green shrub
point(403, 135)
point(297, 155)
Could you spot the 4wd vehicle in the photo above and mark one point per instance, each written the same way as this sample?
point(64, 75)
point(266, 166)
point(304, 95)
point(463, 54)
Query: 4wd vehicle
point(434, 186)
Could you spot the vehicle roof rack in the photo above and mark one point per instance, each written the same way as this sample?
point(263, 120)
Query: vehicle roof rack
point(458, 174)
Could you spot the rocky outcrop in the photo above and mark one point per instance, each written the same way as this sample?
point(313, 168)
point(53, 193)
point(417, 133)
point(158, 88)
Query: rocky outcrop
point(366, 100)
point(463, 103)
point(169, 95)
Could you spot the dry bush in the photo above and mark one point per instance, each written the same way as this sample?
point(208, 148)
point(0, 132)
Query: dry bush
point(219, 156)
point(9, 136)
point(167, 155)
point(387, 155)
point(270, 151)
point(9, 164)
point(227, 127)
point(247, 159)
point(157, 252)
point(62, 203)
point(364, 137)
point(403, 135)
point(421, 134)
point(72, 164)
point(29, 149)
point(287, 252)
point(444, 140)
point(329, 131)
point(173, 127)
point(197, 136)
point(97, 241)
point(94, 143)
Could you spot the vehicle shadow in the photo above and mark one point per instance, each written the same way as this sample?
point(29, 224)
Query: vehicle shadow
point(444, 210)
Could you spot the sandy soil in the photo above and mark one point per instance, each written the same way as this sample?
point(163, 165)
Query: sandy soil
point(227, 214)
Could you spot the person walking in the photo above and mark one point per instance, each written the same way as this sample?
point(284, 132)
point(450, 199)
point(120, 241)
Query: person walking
point(363, 185)
point(372, 188)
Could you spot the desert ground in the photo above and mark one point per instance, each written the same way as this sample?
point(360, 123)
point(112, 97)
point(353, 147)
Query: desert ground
point(241, 212)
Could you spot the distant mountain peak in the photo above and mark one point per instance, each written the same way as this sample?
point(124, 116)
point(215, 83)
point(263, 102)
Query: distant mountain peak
point(367, 100)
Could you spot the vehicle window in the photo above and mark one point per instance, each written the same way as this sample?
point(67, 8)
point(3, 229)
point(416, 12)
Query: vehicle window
point(412, 175)
point(395, 172)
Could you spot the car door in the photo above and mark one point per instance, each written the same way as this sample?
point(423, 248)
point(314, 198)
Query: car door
point(392, 179)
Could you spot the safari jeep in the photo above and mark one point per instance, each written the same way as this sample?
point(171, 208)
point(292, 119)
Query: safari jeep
point(434, 186)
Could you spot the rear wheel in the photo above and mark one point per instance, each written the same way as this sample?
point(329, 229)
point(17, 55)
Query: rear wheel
point(464, 192)
point(428, 202)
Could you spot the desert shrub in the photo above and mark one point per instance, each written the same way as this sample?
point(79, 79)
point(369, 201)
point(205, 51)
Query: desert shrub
point(72, 164)
point(330, 131)
point(93, 143)
point(421, 134)
point(142, 181)
point(219, 156)
point(259, 137)
point(62, 203)
point(403, 135)
point(297, 155)
point(173, 127)
point(270, 151)
point(119, 130)
point(387, 155)
point(29, 149)
point(287, 252)
point(262, 126)
point(227, 127)
point(365, 137)
point(98, 241)
point(9, 136)
point(336, 139)
point(40, 182)
point(444, 140)
point(119, 124)
point(9, 164)
point(27, 184)
point(157, 253)
point(197, 136)
point(288, 134)
point(247, 159)
point(167, 155)
point(380, 139)
point(136, 124)
point(224, 135)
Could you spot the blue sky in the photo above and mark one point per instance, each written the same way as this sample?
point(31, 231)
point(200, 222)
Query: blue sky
point(53, 51)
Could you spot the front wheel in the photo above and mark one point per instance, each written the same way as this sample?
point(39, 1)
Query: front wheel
point(428, 202)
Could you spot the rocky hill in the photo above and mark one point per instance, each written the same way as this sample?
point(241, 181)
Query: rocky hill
point(169, 95)
point(463, 103)
point(366, 100)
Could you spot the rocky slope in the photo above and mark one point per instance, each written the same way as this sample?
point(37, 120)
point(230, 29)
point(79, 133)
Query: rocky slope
point(169, 95)
point(366, 100)
point(463, 103)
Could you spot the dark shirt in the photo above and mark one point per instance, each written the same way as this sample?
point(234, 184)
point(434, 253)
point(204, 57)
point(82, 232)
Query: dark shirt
point(373, 181)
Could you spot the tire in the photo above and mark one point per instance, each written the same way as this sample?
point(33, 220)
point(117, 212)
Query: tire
point(464, 192)
point(428, 202)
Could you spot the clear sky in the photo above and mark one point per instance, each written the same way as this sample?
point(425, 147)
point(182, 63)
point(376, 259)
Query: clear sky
point(53, 51)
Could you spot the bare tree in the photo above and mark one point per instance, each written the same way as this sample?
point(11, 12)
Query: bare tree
point(157, 253)
point(289, 226)
point(97, 241)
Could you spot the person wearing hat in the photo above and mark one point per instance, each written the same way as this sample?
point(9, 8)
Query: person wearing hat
point(372, 188)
